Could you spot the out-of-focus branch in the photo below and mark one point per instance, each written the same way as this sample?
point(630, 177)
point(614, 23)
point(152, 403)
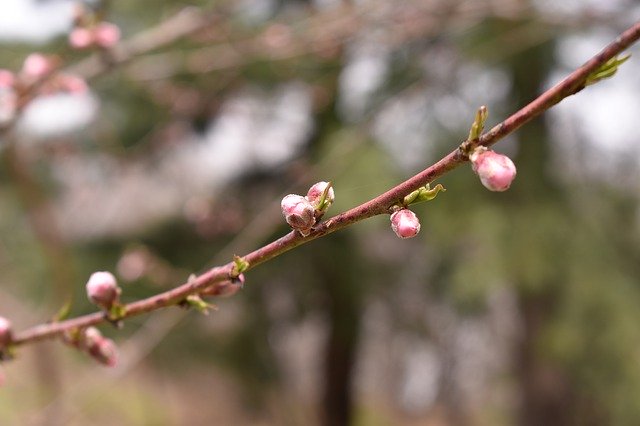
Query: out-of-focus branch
point(186, 22)
point(379, 205)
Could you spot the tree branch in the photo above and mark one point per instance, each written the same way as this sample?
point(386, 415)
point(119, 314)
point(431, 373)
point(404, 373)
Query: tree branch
point(380, 205)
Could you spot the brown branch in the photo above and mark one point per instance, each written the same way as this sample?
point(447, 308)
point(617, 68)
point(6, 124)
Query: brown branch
point(379, 205)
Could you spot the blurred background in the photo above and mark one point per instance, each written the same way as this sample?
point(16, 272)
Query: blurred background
point(516, 308)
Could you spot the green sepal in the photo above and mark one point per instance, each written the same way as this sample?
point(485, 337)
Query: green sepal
point(196, 302)
point(116, 312)
point(478, 123)
point(424, 193)
point(8, 353)
point(239, 266)
point(323, 203)
point(606, 70)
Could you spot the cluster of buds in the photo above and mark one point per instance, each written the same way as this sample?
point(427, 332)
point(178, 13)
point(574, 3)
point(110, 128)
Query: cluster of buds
point(91, 341)
point(302, 213)
point(104, 35)
point(37, 66)
point(496, 171)
point(6, 334)
point(90, 31)
point(102, 290)
point(35, 69)
point(405, 223)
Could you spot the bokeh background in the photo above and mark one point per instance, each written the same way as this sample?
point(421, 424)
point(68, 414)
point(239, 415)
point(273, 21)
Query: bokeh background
point(516, 308)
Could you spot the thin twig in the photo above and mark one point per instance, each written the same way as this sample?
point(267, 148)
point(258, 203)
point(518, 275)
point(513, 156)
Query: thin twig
point(379, 205)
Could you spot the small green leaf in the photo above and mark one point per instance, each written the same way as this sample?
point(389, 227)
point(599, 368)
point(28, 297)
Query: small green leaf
point(424, 193)
point(64, 311)
point(478, 123)
point(323, 203)
point(428, 194)
point(606, 70)
point(412, 197)
point(196, 302)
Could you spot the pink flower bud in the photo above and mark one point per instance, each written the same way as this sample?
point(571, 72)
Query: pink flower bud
point(496, 171)
point(73, 84)
point(106, 34)
point(99, 347)
point(225, 288)
point(7, 79)
point(6, 335)
point(36, 66)
point(81, 38)
point(103, 290)
point(405, 223)
point(315, 196)
point(299, 213)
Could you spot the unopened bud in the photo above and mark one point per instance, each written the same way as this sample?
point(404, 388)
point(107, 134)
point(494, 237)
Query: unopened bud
point(99, 347)
point(7, 79)
point(225, 288)
point(299, 213)
point(106, 34)
point(315, 196)
point(36, 66)
point(496, 171)
point(81, 38)
point(103, 290)
point(405, 223)
point(73, 84)
point(6, 335)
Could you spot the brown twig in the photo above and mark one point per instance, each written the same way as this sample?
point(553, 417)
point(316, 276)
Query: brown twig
point(379, 205)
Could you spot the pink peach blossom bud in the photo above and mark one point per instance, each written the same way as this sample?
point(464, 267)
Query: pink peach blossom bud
point(106, 34)
point(104, 351)
point(81, 38)
point(7, 79)
point(99, 347)
point(496, 171)
point(73, 84)
point(315, 196)
point(6, 334)
point(225, 288)
point(36, 66)
point(103, 290)
point(405, 223)
point(299, 213)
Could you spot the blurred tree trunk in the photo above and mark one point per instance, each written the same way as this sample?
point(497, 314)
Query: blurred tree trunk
point(545, 392)
point(338, 268)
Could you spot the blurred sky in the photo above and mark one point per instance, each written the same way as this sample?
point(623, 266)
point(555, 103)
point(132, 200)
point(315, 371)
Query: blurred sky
point(34, 22)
